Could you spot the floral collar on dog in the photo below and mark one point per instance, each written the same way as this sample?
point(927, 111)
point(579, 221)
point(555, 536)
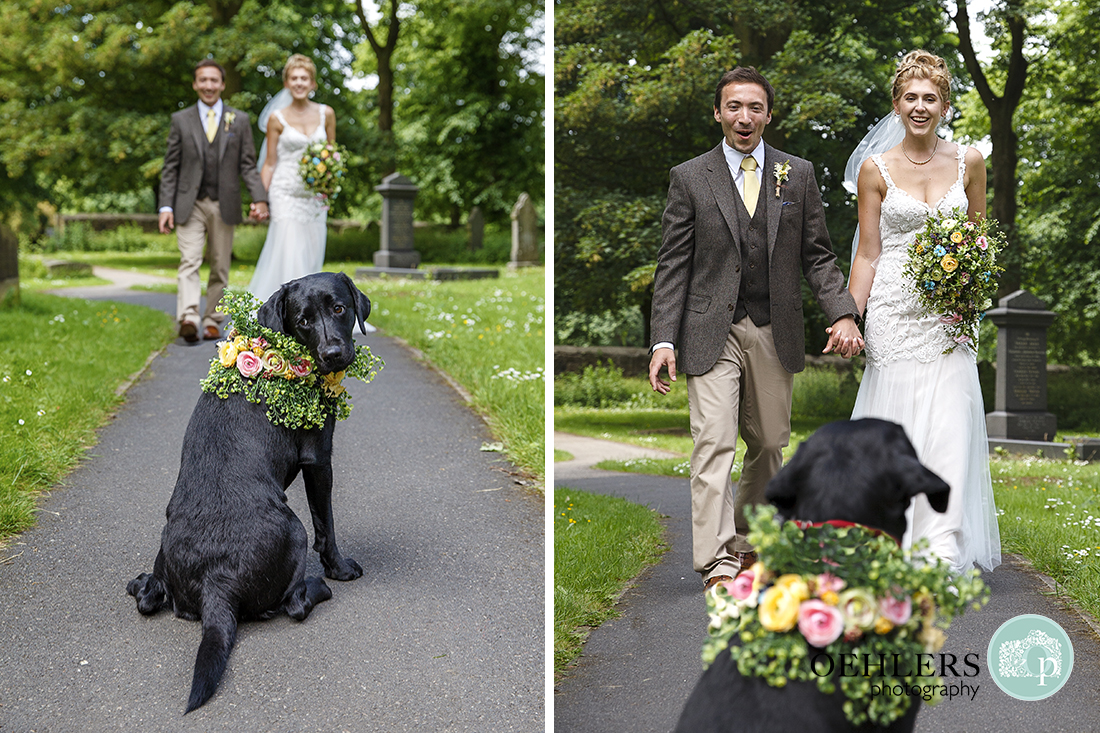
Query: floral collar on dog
point(839, 523)
point(824, 594)
point(272, 368)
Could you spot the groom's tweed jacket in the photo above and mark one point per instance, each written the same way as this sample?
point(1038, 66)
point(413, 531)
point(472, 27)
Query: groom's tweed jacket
point(699, 266)
point(183, 163)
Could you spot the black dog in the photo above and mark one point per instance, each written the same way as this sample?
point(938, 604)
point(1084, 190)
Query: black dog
point(231, 548)
point(863, 471)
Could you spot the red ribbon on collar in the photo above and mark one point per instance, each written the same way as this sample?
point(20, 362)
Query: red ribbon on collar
point(840, 523)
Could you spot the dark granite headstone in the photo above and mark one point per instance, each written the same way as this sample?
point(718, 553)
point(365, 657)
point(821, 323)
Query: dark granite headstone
point(1020, 405)
point(396, 250)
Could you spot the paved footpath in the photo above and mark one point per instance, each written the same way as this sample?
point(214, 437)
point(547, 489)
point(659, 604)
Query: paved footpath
point(444, 632)
point(638, 669)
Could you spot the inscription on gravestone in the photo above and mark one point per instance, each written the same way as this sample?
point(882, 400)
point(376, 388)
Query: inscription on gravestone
point(1020, 406)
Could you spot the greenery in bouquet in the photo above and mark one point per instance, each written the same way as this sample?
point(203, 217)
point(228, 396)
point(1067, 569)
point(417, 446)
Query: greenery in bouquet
point(820, 595)
point(953, 269)
point(272, 368)
point(323, 168)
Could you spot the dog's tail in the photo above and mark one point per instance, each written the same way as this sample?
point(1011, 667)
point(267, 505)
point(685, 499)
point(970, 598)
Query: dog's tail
point(219, 631)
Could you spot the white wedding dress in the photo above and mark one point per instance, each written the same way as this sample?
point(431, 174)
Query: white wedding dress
point(934, 396)
point(295, 244)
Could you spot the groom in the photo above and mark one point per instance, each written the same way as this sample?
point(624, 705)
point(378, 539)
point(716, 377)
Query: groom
point(742, 223)
point(209, 150)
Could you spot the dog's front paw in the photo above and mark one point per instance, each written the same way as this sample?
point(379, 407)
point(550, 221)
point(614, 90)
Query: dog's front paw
point(151, 594)
point(345, 569)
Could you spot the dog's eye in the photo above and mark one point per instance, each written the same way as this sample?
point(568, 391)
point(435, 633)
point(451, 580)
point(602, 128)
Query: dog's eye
point(303, 321)
point(339, 309)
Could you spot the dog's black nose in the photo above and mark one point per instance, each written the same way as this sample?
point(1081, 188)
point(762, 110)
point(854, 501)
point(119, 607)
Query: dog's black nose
point(330, 354)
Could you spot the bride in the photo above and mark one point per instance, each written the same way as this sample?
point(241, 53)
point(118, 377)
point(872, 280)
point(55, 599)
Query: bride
point(908, 378)
point(295, 244)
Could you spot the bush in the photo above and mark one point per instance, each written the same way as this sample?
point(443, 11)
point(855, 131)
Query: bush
point(823, 392)
point(599, 386)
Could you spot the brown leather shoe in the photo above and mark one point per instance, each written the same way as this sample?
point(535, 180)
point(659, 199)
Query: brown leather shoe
point(210, 333)
point(189, 331)
point(747, 559)
point(714, 580)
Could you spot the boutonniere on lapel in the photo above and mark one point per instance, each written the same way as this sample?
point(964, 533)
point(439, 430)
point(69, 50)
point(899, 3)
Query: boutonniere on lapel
point(782, 170)
point(230, 116)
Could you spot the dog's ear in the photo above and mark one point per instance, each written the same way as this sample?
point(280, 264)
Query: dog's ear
point(915, 479)
point(362, 302)
point(272, 313)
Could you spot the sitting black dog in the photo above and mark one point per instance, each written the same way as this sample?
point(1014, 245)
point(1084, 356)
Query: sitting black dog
point(863, 471)
point(231, 548)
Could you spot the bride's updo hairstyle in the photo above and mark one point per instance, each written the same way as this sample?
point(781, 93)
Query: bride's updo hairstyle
point(298, 61)
point(921, 64)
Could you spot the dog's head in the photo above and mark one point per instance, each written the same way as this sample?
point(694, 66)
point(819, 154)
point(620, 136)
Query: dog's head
point(863, 471)
point(320, 311)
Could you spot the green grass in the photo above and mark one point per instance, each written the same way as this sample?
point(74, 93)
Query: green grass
point(488, 335)
point(600, 543)
point(61, 361)
point(561, 455)
point(1050, 513)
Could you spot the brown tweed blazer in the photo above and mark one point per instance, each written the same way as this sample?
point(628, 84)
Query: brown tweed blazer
point(699, 264)
point(183, 164)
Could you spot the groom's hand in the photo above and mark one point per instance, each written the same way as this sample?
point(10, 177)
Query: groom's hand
point(258, 211)
point(166, 222)
point(662, 358)
point(844, 338)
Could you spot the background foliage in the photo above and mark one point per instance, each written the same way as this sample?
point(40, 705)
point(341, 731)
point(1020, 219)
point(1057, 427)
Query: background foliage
point(86, 93)
point(634, 88)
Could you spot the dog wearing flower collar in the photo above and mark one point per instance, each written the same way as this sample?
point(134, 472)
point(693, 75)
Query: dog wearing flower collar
point(849, 485)
point(231, 548)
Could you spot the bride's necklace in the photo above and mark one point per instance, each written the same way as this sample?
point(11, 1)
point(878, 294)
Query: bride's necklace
point(921, 162)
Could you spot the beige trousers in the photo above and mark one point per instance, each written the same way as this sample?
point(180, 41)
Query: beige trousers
point(204, 225)
point(747, 389)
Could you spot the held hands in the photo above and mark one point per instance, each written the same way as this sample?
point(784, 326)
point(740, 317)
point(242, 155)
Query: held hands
point(844, 338)
point(258, 211)
point(661, 358)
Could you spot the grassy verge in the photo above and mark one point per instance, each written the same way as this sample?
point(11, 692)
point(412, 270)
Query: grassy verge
point(1050, 513)
point(488, 336)
point(61, 361)
point(600, 543)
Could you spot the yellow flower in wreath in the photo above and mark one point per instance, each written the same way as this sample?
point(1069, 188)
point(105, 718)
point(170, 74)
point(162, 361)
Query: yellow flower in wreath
point(332, 384)
point(956, 237)
point(949, 263)
point(778, 609)
point(227, 354)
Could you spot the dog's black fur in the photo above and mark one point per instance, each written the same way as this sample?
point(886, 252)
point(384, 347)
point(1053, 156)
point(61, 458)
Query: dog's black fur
point(231, 548)
point(864, 471)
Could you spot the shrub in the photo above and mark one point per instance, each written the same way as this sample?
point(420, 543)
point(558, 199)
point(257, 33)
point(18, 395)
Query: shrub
point(597, 386)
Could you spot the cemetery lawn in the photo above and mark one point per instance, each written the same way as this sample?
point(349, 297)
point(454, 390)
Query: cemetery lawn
point(61, 362)
point(600, 544)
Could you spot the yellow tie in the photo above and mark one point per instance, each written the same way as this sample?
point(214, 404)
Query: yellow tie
point(211, 126)
point(752, 183)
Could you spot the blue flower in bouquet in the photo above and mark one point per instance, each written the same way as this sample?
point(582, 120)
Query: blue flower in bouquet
point(939, 250)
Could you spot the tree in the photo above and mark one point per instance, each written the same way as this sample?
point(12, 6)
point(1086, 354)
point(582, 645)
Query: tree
point(1010, 20)
point(383, 67)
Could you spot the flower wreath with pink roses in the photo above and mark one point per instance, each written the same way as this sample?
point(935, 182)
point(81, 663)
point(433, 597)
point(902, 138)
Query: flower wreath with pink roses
point(820, 592)
point(273, 369)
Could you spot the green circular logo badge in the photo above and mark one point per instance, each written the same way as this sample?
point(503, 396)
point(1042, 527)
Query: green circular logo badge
point(1030, 657)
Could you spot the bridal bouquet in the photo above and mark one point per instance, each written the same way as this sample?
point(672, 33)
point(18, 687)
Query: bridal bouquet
point(953, 268)
point(323, 168)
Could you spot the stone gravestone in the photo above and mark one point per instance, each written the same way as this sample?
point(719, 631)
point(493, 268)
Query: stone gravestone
point(1020, 407)
point(398, 194)
point(9, 267)
point(475, 228)
point(525, 234)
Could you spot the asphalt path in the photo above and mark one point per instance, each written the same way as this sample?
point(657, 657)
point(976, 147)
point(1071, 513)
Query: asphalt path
point(444, 632)
point(638, 669)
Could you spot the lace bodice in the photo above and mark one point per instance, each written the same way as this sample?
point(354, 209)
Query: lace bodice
point(287, 197)
point(896, 326)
